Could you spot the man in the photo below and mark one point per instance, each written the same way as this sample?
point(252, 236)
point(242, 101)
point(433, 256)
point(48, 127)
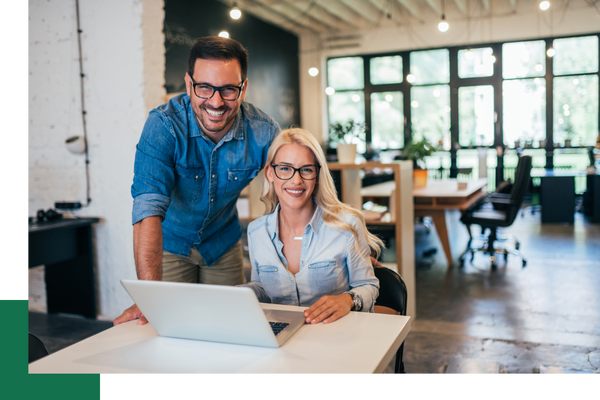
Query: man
point(196, 154)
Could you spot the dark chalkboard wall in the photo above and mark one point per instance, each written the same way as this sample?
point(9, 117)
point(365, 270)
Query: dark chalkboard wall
point(273, 76)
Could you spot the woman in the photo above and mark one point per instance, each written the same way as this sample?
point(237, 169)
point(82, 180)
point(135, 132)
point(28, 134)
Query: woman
point(310, 249)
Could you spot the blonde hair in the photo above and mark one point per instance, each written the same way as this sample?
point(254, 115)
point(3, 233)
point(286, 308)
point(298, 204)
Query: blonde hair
point(324, 193)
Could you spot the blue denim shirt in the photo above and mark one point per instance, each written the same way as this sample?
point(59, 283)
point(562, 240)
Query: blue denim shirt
point(193, 183)
point(329, 263)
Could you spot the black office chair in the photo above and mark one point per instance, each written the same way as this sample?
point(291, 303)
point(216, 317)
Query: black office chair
point(498, 210)
point(392, 300)
point(37, 349)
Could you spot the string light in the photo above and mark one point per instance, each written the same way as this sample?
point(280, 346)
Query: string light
point(313, 71)
point(544, 5)
point(224, 34)
point(551, 52)
point(329, 91)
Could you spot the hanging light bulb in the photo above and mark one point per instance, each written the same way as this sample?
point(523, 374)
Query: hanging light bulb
point(544, 5)
point(224, 34)
point(313, 71)
point(235, 12)
point(329, 91)
point(551, 52)
point(443, 25)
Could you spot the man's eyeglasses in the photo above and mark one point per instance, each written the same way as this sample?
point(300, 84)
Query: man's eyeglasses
point(287, 172)
point(205, 91)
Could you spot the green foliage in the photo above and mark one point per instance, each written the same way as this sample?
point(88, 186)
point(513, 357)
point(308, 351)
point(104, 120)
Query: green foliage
point(417, 151)
point(345, 132)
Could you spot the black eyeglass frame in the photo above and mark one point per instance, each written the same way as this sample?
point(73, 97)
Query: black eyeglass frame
point(296, 170)
point(217, 89)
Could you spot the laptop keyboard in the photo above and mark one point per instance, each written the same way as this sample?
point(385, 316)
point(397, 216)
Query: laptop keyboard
point(278, 326)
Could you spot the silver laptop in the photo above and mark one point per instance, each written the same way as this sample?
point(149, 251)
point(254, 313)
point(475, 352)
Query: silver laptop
point(212, 313)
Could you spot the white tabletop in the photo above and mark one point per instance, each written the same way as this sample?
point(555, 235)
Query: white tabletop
point(434, 188)
point(356, 343)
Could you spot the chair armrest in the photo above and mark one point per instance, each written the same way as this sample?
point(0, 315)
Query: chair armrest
point(499, 195)
point(497, 200)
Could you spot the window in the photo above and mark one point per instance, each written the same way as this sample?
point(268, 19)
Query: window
point(524, 100)
point(346, 76)
point(575, 55)
point(346, 73)
point(387, 126)
point(432, 66)
point(430, 105)
point(476, 116)
point(476, 62)
point(575, 112)
point(524, 111)
point(430, 109)
point(524, 59)
point(410, 94)
point(386, 70)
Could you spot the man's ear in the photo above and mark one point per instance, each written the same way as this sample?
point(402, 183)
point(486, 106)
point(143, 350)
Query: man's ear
point(243, 96)
point(188, 84)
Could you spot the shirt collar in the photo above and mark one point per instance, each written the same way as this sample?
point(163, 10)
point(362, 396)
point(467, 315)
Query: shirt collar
point(273, 222)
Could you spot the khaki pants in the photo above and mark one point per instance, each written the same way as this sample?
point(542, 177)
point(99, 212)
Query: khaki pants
point(229, 270)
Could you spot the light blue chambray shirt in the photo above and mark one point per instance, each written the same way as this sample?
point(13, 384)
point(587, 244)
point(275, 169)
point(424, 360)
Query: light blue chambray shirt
point(193, 183)
point(329, 263)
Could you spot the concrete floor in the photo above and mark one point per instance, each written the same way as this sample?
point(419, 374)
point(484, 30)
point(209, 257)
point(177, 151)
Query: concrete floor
point(543, 318)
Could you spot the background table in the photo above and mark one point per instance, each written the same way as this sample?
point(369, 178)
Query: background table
point(357, 343)
point(434, 199)
point(64, 247)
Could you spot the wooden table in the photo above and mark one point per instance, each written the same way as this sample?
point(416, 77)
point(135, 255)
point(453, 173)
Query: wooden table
point(434, 199)
point(357, 343)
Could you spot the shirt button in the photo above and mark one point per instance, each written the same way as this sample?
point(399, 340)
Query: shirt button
point(207, 218)
point(235, 179)
point(213, 176)
point(201, 232)
point(211, 200)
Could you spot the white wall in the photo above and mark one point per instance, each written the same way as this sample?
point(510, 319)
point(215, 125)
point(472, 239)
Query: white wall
point(527, 23)
point(123, 60)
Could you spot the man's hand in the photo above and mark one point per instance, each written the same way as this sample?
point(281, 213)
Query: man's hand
point(329, 309)
point(132, 312)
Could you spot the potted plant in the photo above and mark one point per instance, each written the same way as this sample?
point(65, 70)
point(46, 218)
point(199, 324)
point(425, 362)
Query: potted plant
point(417, 151)
point(569, 133)
point(344, 134)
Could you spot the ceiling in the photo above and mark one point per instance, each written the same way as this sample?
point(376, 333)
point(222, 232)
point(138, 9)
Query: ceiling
point(335, 17)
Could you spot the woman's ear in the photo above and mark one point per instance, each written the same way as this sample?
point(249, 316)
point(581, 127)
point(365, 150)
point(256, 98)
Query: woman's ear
point(269, 173)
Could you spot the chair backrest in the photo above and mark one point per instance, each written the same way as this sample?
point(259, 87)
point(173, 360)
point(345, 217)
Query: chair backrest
point(37, 349)
point(520, 187)
point(392, 290)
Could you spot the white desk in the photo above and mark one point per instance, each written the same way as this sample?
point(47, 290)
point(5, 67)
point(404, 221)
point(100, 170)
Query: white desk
point(356, 343)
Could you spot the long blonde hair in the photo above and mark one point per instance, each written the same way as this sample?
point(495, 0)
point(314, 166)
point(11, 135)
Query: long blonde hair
point(324, 193)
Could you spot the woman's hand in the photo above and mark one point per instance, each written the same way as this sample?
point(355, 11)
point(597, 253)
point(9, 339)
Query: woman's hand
point(132, 312)
point(329, 309)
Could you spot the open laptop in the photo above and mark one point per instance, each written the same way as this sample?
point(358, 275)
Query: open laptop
point(212, 313)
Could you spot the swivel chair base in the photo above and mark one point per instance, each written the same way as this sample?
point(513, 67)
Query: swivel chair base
point(489, 248)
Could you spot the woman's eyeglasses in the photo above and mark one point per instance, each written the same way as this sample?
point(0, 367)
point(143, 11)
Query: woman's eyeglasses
point(287, 172)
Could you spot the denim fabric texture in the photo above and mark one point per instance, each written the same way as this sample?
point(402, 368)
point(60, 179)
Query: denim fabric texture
point(192, 183)
point(329, 264)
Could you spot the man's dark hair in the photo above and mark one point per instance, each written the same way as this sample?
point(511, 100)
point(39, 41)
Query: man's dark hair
point(218, 48)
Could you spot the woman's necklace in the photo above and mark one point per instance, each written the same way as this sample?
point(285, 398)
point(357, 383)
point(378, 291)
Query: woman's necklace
point(288, 229)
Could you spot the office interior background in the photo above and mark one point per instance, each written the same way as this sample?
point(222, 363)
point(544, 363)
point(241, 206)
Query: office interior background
point(382, 62)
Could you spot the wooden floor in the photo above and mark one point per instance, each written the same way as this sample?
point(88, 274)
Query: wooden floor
point(544, 318)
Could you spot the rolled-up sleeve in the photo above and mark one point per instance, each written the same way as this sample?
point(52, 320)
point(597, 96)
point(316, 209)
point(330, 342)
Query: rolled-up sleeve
point(361, 275)
point(154, 169)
